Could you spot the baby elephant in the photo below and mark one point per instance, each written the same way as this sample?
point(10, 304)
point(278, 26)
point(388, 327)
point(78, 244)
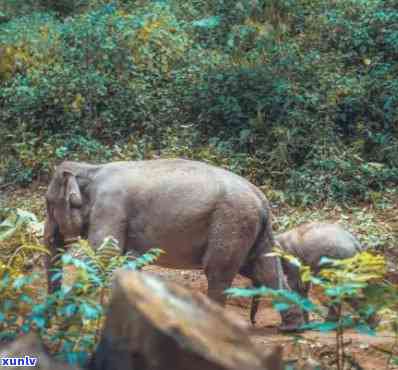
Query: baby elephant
point(309, 242)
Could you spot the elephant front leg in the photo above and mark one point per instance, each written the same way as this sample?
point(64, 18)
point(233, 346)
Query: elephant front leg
point(107, 223)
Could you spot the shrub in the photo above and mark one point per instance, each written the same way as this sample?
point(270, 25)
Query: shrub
point(69, 320)
point(298, 89)
point(359, 278)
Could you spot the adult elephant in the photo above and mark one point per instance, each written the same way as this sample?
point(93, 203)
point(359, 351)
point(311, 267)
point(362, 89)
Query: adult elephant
point(200, 215)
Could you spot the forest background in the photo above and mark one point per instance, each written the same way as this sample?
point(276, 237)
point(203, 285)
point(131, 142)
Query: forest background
point(297, 95)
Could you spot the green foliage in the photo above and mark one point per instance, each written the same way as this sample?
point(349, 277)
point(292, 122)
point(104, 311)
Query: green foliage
point(353, 288)
point(64, 7)
point(301, 93)
point(12, 8)
point(340, 177)
point(20, 232)
point(69, 320)
point(281, 299)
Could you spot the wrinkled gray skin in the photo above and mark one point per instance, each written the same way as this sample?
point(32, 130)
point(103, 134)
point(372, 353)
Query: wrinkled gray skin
point(201, 216)
point(309, 242)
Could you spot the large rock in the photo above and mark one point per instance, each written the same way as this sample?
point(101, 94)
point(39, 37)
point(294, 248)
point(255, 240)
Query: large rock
point(157, 325)
point(26, 350)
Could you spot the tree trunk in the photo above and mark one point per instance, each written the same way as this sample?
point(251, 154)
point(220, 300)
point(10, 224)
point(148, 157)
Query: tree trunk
point(157, 325)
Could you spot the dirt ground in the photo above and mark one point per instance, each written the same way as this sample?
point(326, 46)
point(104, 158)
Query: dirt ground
point(369, 352)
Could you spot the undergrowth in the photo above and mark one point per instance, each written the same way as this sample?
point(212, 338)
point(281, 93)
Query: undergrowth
point(300, 94)
point(69, 321)
point(353, 289)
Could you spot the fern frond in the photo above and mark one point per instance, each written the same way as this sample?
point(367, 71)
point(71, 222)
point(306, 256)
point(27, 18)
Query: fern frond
point(88, 255)
point(100, 258)
point(108, 250)
point(23, 252)
point(146, 259)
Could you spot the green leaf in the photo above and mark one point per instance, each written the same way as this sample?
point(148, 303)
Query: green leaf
point(321, 326)
point(70, 309)
point(67, 259)
point(39, 321)
point(39, 309)
point(367, 312)
point(89, 312)
point(281, 306)
point(88, 340)
point(67, 346)
point(7, 335)
point(347, 321)
point(75, 358)
point(21, 282)
point(364, 329)
point(56, 276)
point(8, 233)
point(25, 298)
point(209, 22)
point(344, 289)
point(95, 279)
point(25, 328)
point(246, 292)
point(295, 298)
point(326, 261)
point(316, 280)
point(8, 304)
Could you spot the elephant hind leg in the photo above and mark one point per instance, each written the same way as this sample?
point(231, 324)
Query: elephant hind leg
point(268, 271)
point(230, 239)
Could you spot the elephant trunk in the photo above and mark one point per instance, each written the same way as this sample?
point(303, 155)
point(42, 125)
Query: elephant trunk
point(53, 241)
point(49, 232)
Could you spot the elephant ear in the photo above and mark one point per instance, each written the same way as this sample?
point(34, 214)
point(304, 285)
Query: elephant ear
point(72, 193)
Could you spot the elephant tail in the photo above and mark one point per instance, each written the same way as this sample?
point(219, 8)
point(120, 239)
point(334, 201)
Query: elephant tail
point(265, 240)
point(264, 243)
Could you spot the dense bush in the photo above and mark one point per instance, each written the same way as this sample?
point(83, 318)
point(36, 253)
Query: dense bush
point(69, 320)
point(301, 93)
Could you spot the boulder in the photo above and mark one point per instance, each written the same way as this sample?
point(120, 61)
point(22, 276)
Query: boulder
point(157, 325)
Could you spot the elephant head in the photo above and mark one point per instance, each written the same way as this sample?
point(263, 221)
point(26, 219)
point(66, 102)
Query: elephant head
point(65, 213)
point(64, 201)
